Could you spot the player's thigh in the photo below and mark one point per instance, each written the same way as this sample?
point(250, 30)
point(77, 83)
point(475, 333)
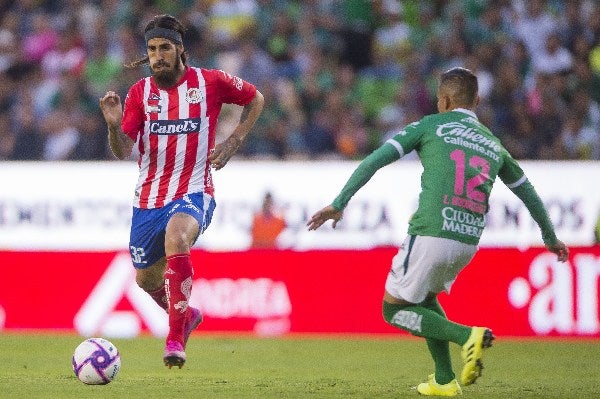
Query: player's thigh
point(189, 218)
point(147, 237)
point(426, 265)
point(181, 233)
point(148, 226)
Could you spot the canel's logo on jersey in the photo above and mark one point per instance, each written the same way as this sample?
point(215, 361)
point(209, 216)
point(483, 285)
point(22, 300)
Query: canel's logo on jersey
point(177, 126)
point(237, 83)
point(193, 95)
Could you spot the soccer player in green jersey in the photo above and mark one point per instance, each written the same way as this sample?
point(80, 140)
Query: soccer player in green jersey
point(461, 159)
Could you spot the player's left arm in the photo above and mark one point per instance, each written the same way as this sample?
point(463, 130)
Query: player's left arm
point(526, 192)
point(225, 150)
point(234, 90)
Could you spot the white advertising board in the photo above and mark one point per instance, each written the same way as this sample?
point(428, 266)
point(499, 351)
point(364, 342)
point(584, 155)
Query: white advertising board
point(87, 206)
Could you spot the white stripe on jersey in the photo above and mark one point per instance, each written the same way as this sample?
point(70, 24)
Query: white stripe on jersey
point(397, 145)
point(517, 183)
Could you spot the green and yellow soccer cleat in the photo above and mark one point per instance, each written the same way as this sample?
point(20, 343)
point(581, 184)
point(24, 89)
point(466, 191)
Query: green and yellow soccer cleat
point(471, 353)
point(432, 388)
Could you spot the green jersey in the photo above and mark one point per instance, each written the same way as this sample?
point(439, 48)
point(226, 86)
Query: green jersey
point(461, 159)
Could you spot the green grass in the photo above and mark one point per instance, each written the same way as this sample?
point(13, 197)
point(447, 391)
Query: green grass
point(38, 366)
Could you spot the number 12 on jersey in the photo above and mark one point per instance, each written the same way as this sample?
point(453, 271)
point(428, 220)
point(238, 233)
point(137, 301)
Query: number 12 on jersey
point(483, 167)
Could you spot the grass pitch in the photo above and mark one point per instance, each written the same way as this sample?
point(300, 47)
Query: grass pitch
point(39, 366)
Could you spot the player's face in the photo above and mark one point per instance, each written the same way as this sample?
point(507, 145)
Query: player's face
point(165, 61)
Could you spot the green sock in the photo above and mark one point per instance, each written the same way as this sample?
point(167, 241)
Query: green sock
point(440, 350)
point(429, 320)
point(424, 322)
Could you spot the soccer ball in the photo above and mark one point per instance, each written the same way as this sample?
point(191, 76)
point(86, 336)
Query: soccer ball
point(96, 361)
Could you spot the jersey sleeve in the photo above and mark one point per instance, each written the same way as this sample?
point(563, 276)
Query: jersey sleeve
point(235, 90)
point(407, 139)
point(513, 176)
point(379, 158)
point(511, 172)
point(133, 112)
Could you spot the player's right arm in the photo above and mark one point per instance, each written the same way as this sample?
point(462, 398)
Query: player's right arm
point(395, 148)
point(120, 144)
point(514, 178)
point(379, 158)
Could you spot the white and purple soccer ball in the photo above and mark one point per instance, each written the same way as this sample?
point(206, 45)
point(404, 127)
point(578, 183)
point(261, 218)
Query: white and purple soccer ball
point(96, 361)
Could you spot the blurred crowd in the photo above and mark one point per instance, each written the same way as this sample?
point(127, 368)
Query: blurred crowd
point(339, 76)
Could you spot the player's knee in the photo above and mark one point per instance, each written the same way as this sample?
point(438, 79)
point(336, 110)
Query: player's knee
point(401, 316)
point(389, 311)
point(148, 283)
point(177, 243)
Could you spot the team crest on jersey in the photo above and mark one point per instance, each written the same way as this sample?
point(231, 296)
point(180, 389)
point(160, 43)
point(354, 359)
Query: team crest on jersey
point(193, 96)
point(153, 104)
point(238, 83)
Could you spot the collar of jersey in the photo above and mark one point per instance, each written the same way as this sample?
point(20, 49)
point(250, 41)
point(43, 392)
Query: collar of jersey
point(466, 111)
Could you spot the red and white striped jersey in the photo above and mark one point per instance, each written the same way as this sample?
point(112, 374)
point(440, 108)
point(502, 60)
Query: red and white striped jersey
point(175, 131)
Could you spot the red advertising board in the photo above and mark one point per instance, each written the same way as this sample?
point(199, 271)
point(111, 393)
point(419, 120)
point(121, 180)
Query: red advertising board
point(271, 292)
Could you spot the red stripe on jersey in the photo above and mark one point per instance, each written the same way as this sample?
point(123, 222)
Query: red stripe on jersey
point(171, 151)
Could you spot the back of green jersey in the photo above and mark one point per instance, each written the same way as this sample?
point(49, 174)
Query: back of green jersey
point(461, 159)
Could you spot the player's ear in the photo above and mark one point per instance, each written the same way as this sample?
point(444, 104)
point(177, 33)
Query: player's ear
point(445, 102)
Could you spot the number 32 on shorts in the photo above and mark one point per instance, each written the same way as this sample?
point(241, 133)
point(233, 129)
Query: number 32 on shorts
point(137, 254)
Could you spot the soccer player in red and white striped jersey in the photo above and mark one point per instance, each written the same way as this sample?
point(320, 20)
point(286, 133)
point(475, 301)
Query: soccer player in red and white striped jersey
point(172, 117)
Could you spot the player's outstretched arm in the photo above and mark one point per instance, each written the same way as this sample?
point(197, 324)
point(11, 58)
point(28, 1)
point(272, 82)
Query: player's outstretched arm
point(379, 158)
point(329, 212)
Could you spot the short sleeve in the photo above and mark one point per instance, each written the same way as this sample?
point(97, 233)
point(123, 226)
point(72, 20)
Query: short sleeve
point(235, 90)
point(407, 139)
point(133, 112)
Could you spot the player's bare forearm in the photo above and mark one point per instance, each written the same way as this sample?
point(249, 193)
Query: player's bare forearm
point(225, 150)
point(249, 116)
point(120, 144)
